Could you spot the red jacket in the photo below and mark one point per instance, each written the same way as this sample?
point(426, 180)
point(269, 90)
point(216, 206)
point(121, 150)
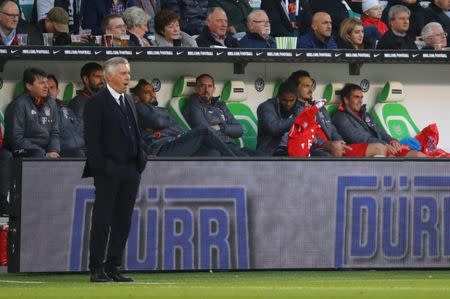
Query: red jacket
point(371, 21)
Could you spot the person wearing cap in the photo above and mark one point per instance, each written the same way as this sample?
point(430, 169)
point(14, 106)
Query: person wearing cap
point(372, 11)
point(56, 22)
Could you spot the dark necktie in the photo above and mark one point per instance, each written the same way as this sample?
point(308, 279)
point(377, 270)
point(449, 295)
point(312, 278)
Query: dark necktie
point(122, 105)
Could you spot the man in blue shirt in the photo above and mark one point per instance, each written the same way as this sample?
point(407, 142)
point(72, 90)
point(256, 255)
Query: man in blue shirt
point(320, 35)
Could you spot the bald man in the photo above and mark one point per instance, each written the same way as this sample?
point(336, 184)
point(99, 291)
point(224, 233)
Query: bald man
point(258, 31)
point(215, 34)
point(320, 34)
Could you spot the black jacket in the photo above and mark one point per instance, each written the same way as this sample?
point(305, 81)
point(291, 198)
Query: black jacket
point(106, 136)
point(416, 20)
point(271, 124)
point(390, 41)
point(78, 103)
point(434, 13)
point(279, 21)
point(205, 39)
point(201, 115)
point(71, 134)
point(359, 130)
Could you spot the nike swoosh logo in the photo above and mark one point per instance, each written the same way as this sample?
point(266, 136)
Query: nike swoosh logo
point(14, 51)
point(179, 53)
point(337, 54)
point(415, 55)
point(298, 54)
point(219, 53)
point(376, 55)
point(139, 52)
point(259, 53)
point(56, 51)
point(97, 52)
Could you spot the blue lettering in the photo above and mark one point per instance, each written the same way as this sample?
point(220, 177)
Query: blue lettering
point(446, 218)
point(364, 237)
point(425, 224)
point(395, 247)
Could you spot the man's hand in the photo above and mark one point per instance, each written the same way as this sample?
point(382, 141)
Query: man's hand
point(216, 127)
point(52, 155)
point(231, 30)
point(336, 148)
point(393, 148)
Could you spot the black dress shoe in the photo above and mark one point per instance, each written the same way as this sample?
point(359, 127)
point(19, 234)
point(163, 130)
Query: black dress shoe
point(117, 277)
point(100, 276)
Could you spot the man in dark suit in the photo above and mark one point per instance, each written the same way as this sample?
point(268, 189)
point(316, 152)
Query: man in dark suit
point(115, 159)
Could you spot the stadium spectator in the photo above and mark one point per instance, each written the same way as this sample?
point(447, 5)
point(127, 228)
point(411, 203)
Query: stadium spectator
point(417, 17)
point(92, 77)
point(215, 31)
point(31, 119)
point(258, 31)
point(287, 20)
point(203, 110)
point(434, 36)
point(327, 142)
point(337, 9)
point(237, 12)
point(168, 33)
point(42, 7)
point(137, 26)
point(94, 11)
point(276, 116)
point(70, 126)
point(359, 129)
point(9, 23)
point(5, 164)
point(165, 137)
point(151, 7)
point(437, 11)
point(192, 14)
point(56, 22)
point(351, 34)
point(320, 35)
point(114, 24)
point(372, 11)
point(397, 37)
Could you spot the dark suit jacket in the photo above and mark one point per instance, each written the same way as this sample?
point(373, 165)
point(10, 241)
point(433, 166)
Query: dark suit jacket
point(105, 137)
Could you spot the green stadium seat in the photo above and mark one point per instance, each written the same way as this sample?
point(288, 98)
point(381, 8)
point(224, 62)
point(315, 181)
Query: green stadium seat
point(2, 123)
point(332, 94)
point(20, 88)
point(183, 88)
point(70, 91)
point(390, 114)
point(234, 93)
point(277, 87)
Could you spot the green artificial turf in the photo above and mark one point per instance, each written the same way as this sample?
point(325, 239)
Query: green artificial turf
point(277, 284)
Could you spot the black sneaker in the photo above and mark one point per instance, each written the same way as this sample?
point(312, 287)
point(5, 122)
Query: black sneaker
point(117, 277)
point(100, 276)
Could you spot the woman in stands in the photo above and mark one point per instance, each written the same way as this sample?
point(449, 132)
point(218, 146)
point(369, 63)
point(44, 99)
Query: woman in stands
point(136, 20)
point(168, 32)
point(351, 34)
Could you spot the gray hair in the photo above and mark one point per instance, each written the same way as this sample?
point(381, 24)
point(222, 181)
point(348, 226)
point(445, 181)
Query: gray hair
point(212, 10)
point(251, 16)
point(427, 30)
point(134, 16)
point(396, 9)
point(111, 64)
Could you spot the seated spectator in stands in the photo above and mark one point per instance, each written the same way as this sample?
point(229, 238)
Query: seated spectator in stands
point(286, 19)
point(9, 20)
point(328, 142)
point(237, 12)
point(168, 33)
point(151, 7)
point(203, 110)
point(31, 119)
point(351, 34)
point(92, 76)
point(137, 26)
point(434, 36)
point(338, 10)
point(372, 15)
point(417, 18)
point(192, 14)
point(438, 11)
point(320, 35)
point(163, 135)
point(56, 22)
point(359, 129)
point(5, 169)
point(94, 11)
point(114, 24)
point(42, 7)
point(397, 37)
point(276, 117)
point(215, 31)
point(258, 32)
point(71, 136)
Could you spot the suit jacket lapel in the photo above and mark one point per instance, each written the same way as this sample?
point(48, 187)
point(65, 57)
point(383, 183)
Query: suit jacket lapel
point(118, 111)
